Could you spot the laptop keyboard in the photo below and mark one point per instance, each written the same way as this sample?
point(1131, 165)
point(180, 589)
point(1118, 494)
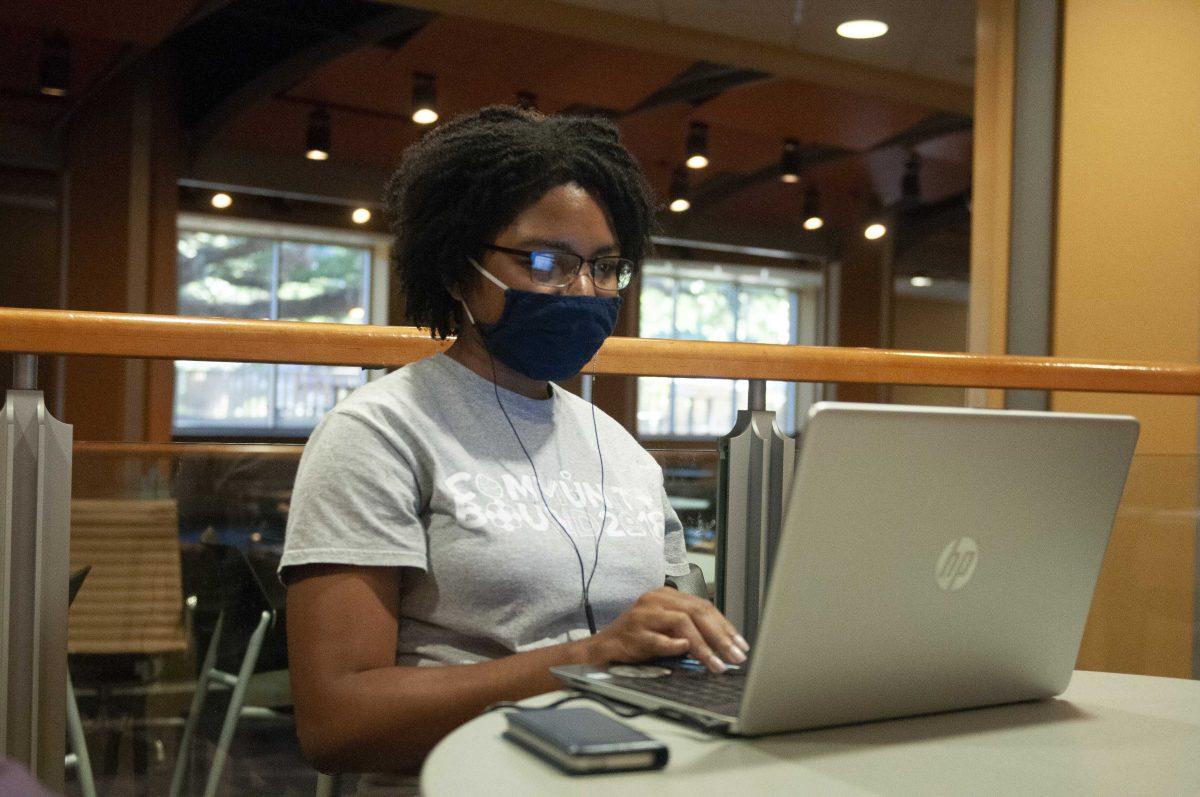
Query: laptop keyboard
point(721, 694)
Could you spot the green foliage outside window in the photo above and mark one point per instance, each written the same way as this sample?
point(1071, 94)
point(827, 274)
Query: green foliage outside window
point(235, 276)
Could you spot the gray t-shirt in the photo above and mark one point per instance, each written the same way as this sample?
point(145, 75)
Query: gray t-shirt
point(421, 470)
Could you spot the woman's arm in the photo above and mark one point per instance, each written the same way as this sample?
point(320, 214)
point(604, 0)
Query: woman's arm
point(357, 711)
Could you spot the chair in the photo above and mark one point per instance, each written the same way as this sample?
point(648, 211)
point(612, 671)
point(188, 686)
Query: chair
point(78, 758)
point(132, 608)
point(273, 595)
point(134, 599)
point(328, 785)
point(691, 584)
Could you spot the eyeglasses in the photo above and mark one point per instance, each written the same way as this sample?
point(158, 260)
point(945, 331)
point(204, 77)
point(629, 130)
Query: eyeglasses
point(560, 269)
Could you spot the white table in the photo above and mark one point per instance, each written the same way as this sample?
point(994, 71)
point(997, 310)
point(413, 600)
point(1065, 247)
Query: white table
point(1108, 734)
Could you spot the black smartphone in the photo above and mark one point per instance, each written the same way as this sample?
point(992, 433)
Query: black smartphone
point(582, 741)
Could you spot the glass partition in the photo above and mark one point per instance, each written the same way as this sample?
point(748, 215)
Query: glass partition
point(690, 478)
point(180, 543)
point(1143, 615)
point(183, 539)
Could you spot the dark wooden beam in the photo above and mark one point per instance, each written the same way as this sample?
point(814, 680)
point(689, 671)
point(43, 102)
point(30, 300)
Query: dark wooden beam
point(206, 113)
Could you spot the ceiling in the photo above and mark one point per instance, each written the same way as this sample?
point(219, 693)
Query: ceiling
point(245, 115)
point(930, 38)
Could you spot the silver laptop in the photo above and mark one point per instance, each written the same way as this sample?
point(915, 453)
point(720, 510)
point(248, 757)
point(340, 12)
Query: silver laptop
point(931, 559)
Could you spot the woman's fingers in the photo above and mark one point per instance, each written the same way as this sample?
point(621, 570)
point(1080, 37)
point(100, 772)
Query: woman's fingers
point(718, 633)
point(679, 624)
point(652, 645)
point(666, 622)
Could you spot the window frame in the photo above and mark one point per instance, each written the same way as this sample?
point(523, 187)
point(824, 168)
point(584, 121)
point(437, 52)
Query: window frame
point(805, 287)
point(377, 290)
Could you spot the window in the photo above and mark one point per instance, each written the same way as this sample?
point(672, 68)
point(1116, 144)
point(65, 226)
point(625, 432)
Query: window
point(240, 269)
point(710, 301)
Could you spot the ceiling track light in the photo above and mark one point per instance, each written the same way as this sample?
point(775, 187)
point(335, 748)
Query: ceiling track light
point(317, 138)
point(696, 145)
point(54, 72)
point(789, 161)
point(812, 210)
point(527, 100)
point(424, 98)
point(875, 226)
point(678, 200)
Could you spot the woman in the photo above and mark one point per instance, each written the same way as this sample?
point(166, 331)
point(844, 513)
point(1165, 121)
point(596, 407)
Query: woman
point(464, 511)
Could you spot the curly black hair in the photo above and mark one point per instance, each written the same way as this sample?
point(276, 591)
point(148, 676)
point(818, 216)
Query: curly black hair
point(468, 179)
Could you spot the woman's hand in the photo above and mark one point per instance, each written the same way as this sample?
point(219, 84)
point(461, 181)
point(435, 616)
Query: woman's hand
point(667, 622)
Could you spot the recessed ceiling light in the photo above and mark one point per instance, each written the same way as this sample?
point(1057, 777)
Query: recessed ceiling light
point(814, 223)
point(874, 232)
point(424, 116)
point(221, 201)
point(680, 205)
point(920, 282)
point(862, 29)
point(360, 216)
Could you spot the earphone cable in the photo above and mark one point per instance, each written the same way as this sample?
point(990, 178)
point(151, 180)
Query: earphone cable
point(603, 494)
point(584, 581)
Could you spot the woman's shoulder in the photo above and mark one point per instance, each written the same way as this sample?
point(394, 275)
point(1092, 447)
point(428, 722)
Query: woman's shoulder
point(414, 381)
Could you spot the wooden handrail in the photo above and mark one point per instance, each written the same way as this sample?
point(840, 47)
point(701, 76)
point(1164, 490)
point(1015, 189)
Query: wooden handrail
point(72, 332)
point(670, 451)
point(120, 449)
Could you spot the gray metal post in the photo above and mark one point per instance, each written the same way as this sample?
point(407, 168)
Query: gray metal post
point(756, 462)
point(35, 510)
point(24, 372)
point(756, 395)
point(1037, 71)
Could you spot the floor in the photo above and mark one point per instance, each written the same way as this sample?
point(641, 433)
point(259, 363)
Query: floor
point(264, 759)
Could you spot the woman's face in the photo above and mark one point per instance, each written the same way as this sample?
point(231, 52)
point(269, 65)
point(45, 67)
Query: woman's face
point(565, 219)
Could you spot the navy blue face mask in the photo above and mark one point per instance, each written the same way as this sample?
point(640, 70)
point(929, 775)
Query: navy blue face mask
point(547, 336)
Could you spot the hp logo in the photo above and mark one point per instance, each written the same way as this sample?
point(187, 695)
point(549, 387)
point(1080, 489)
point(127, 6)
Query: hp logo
point(956, 565)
